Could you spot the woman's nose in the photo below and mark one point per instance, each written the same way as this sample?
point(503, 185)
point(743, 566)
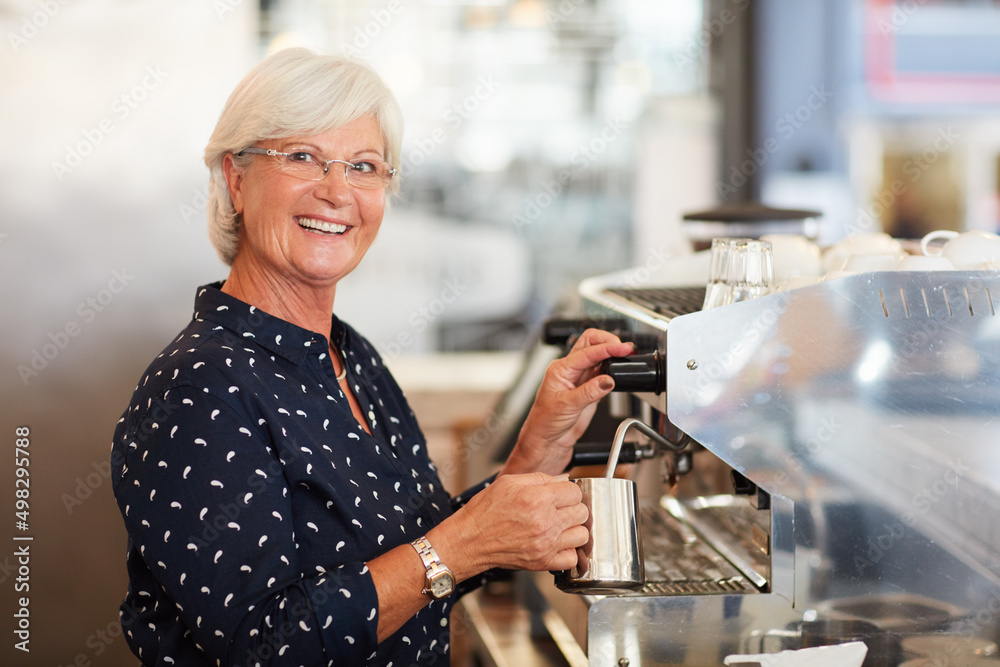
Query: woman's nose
point(334, 186)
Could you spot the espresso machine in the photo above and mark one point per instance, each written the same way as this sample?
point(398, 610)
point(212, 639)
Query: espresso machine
point(832, 474)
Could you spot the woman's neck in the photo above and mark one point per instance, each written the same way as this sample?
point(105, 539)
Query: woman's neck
point(297, 302)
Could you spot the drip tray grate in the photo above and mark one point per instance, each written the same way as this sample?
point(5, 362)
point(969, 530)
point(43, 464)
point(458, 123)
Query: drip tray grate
point(678, 562)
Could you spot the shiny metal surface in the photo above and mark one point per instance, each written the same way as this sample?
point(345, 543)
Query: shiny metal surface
point(870, 404)
point(865, 412)
point(616, 445)
point(611, 561)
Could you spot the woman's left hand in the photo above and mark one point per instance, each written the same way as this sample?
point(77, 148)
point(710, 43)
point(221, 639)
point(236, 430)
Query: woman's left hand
point(565, 404)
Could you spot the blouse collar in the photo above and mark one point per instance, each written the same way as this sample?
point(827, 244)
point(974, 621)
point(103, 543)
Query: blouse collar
point(274, 334)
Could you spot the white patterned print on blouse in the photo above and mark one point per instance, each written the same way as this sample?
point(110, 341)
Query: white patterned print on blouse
point(253, 498)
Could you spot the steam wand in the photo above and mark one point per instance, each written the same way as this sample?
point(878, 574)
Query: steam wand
point(647, 430)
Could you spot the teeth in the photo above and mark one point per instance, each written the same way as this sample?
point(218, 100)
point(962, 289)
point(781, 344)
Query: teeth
point(328, 227)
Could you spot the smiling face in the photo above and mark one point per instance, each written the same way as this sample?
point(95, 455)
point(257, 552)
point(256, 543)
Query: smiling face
point(307, 232)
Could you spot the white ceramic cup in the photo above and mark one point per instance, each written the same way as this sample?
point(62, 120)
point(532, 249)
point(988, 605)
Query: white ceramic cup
point(924, 263)
point(836, 255)
point(872, 261)
point(794, 255)
point(794, 282)
point(967, 250)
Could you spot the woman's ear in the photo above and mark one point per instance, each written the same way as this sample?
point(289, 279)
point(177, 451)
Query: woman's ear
point(234, 180)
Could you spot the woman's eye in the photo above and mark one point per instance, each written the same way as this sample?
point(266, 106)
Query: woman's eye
point(363, 167)
point(301, 156)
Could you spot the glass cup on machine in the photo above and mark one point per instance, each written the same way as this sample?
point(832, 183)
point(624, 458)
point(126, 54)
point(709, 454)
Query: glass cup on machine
point(740, 269)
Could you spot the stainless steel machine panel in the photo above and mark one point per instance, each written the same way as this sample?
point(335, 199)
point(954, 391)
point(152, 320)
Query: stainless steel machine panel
point(865, 412)
point(873, 400)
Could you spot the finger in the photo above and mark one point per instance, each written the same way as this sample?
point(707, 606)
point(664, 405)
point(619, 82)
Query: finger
point(562, 560)
point(574, 537)
point(537, 479)
point(588, 393)
point(571, 540)
point(587, 357)
point(595, 337)
point(566, 494)
point(572, 515)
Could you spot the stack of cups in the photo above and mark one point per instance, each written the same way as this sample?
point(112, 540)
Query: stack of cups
point(740, 269)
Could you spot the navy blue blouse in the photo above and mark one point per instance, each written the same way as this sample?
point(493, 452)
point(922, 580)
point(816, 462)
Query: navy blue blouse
point(253, 498)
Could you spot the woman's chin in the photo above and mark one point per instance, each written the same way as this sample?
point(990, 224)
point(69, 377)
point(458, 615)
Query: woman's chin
point(325, 268)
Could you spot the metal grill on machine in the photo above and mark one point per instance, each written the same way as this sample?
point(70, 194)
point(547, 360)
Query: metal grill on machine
point(844, 440)
point(666, 301)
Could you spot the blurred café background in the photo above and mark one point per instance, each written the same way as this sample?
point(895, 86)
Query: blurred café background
point(546, 141)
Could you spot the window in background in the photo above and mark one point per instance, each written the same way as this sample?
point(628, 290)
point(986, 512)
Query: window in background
point(885, 114)
point(522, 125)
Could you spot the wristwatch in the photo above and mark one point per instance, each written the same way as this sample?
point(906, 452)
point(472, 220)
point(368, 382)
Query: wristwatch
point(440, 581)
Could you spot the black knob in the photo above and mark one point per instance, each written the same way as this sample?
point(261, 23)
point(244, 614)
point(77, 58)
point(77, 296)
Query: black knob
point(639, 372)
point(597, 453)
point(565, 331)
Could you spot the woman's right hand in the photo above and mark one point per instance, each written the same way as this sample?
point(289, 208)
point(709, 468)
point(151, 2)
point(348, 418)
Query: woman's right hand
point(530, 521)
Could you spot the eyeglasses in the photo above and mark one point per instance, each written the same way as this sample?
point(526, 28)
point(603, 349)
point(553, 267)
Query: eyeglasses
point(365, 174)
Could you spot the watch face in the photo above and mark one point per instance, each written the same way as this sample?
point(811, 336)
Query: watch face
point(442, 584)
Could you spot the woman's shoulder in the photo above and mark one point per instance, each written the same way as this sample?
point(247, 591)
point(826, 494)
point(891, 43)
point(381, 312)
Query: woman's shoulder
point(201, 342)
point(201, 355)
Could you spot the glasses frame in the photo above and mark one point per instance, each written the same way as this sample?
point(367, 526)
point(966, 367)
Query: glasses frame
point(348, 166)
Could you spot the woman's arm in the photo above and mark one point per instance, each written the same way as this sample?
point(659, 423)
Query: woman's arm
point(526, 522)
point(527, 519)
point(565, 404)
point(208, 508)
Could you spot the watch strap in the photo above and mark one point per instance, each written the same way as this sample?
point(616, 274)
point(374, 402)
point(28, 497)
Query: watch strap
point(432, 563)
point(428, 556)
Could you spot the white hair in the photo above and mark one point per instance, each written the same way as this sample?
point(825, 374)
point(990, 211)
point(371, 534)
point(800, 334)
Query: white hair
point(289, 93)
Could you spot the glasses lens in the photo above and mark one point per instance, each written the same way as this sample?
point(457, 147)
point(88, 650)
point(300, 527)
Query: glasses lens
point(368, 175)
point(299, 166)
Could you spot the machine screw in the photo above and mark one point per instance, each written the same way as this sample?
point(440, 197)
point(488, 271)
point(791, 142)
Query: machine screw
point(692, 364)
point(622, 662)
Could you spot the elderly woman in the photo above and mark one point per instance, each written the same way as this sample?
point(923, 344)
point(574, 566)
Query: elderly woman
point(280, 504)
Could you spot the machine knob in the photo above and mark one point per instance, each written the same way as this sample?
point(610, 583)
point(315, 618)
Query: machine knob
point(565, 331)
point(637, 373)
